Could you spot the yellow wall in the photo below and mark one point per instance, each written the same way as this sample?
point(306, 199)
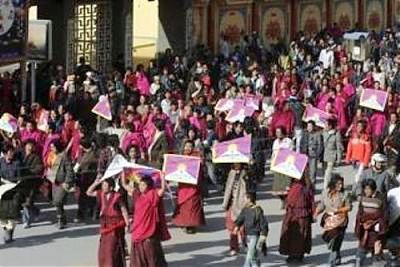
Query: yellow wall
point(145, 30)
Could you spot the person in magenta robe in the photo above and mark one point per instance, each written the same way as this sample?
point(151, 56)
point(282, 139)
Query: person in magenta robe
point(113, 219)
point(283, 117)
point(340, 107)
point(158, 114)
point(189, 213)
point(348, 88)
point(322, 98)
point(142, 83)
point(132, 137)
point(30, 132)
point(378, 122)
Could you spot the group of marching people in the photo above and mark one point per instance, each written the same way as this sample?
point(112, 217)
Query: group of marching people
point(170, 108)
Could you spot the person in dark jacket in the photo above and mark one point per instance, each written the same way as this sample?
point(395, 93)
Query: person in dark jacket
point(311, 144)
point(32, 171)
point(62, 176)
point(256, 228)
point(9, 201)
point(85, 170)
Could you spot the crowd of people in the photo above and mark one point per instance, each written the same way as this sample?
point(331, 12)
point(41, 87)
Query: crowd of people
point(169, 107)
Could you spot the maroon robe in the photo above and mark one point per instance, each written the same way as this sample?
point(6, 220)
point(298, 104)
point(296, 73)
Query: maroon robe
point(112, 243)
point(189, 209)
point(297, 222)
point(148, 230)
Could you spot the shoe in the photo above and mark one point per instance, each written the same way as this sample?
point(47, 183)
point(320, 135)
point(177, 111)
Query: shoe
point(378, 258)
point(26, 225)
point(290, 259)
point(190, 231)
point(61, 223)
point(233, 253)
point(8, 236)
point(78, 220)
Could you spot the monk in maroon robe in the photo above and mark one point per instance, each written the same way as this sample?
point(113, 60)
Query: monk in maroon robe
point(297, 222)
point(113, 219)
point(189, 211)
point(149, 226)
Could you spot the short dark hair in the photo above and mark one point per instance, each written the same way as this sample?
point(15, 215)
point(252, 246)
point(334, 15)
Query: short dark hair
point(252, 196)
point(312, 123)
point(370, 183)
point(148, 181)
point(332, 123)
point(58, 145)
point(110, 182)
point(159, 124)
point(7, 147)
point(334, 180)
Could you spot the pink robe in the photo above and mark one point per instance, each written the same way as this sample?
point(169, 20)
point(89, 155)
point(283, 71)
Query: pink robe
point(143, 84)
point(75, 147)
point(36, 136)
point(133, 139)
point(282, 119)
point(322, 100)
point(341, 113)
point(378, 121)
point(200, 125)
point(349, 90)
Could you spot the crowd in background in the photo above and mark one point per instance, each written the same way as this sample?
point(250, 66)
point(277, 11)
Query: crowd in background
point(168, 106)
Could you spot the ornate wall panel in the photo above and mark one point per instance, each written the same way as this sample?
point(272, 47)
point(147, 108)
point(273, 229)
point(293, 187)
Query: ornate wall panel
point(311, 16)
point(374, 15)
point(232, 23)
point(90, 34)
point(344, 13)
point(274, 26)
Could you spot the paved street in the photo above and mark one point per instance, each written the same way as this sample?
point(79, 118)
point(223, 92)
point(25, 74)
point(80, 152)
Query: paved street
point(43, 245)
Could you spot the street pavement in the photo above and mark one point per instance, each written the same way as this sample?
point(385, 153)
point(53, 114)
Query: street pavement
point(44, 245)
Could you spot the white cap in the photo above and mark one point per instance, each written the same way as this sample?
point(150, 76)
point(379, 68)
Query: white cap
point(378, 157)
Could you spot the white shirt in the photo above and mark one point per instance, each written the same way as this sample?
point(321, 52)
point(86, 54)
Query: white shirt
point(166, 106)
point(326, 57)
point(391, 128)
point(393, 199)
point(285, 143)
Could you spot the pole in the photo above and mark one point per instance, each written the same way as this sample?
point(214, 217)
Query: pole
point(24, 77)
point(33, 82)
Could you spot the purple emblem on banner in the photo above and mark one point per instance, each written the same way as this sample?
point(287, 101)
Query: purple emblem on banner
point(103, 108)
point(182, 169)
point(252, 102)
point(233, 151)
point(374, 99)
point(289, 163)
point(318, 116)
point(239, 112)
point(226, 104)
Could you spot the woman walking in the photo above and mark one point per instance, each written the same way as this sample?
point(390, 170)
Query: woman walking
point(234, 202)
point(335, 206)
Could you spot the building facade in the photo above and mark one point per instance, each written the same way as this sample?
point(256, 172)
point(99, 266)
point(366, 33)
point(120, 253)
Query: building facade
point(102, 31)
